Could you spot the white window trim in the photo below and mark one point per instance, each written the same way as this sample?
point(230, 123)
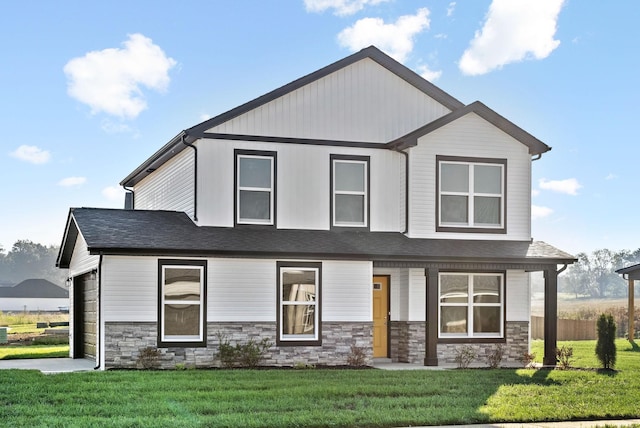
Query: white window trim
point(471, 196)
point(363, 193)
point(239, 188)
point(164, 302)
point(299, 337)
point(470, 305)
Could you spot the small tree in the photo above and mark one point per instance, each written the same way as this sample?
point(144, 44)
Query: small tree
point(606, 346)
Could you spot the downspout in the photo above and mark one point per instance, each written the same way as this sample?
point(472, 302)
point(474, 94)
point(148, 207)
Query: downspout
point(406, 189)
point(195, 175)
point(538, 156)
point(133, 195)
point(99, 313)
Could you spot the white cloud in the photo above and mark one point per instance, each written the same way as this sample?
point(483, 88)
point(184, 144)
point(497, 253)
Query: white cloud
point(113, 193)
point(429, 74)
point(110, 80)
point(72, 181)
point(570, 186)
point(611, 176)
point(31, 154)
point(111, 127)
point(340, 7)
point(204, 117)
point(451, 8)
point(540, 212)
point(513, 31)
point(395, 39)
point(535, 192)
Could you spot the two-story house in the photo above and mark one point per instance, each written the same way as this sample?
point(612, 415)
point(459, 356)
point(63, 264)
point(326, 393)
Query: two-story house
point(359, 205)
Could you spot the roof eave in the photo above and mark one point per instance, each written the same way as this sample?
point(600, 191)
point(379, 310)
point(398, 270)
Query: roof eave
point(535, 146)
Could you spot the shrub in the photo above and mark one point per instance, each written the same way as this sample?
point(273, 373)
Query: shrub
point(528, 358)
point(55, 339)
point(247, 355)
point(495, 357)
point(464, 356)
point(149, 358)
point(606, 346)
point(357, 357)
point(564, 356)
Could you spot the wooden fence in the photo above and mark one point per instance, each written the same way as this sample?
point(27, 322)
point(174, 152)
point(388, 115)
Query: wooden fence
point(567, 329)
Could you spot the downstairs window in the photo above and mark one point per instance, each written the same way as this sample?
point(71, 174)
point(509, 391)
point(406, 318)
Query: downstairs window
point(182, 303)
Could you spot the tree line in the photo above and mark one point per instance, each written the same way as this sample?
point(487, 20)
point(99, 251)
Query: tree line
point(594, 275)
point(27, 260)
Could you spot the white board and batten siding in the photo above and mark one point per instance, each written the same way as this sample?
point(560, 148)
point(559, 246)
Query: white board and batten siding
point(469, 136)
point(238, 290)
point(361, 102)
point(170, 187)
point(303, 184)
point(81, 261)
point(518, 296)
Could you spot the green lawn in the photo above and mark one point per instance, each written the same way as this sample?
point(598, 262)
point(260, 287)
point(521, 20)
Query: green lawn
point(314, 398)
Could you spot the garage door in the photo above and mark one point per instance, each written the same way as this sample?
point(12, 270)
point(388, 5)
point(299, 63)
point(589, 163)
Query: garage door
point(85, 292)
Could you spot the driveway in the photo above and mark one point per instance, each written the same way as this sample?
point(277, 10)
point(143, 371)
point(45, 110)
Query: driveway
point(49, 365)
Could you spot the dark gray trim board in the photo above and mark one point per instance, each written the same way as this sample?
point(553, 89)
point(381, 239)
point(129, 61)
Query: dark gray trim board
point(410, 140)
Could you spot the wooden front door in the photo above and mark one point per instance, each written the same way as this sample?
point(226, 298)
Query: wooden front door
point(380, 316)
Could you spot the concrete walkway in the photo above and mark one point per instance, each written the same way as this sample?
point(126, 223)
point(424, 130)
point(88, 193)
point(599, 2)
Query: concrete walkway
point(49, 365)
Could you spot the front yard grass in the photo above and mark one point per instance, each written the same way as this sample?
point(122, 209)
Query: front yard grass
point(313, 398)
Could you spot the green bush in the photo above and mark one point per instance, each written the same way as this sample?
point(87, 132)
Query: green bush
point(564, 357)
point(606, 346)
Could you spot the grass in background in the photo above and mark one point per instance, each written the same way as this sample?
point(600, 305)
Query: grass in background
point(312, 398)
point(22, 318)
point(35, 351)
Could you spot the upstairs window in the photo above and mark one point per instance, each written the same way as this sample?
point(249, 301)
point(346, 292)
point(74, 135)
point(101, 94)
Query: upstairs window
point(182, 300)
point(471, 196)
point(255, 187)
point(350, 191)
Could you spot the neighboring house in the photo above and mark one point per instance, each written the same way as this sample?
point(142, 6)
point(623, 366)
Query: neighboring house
point(33, 295)
point(357, 206)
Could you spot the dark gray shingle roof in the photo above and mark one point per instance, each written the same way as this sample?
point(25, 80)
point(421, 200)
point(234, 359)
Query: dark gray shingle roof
point(140, 232)
point(35, 288)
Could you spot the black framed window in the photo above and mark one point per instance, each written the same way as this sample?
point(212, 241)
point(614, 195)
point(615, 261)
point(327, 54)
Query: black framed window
point(182, 301)
point(471, 305)
point(255, 187)
point(471, 195)
point(299, 320)
point(349, 191)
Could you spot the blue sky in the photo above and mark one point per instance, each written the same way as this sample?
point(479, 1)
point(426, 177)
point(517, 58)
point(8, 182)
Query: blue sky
point(90, 90)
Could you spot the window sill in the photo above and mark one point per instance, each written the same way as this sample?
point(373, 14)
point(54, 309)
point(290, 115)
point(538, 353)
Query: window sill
point(445, 340)
point(462, 229)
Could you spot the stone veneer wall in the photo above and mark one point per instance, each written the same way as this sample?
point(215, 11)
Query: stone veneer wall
point(123, 342)
point(516, 345)
point(407, 341)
